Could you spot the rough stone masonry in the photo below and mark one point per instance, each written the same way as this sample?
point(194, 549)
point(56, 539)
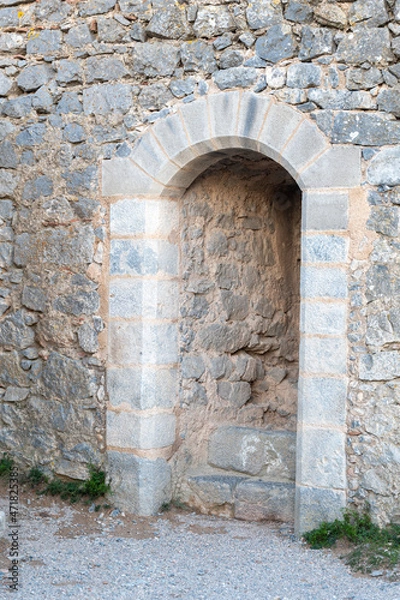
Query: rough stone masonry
point(81, 83)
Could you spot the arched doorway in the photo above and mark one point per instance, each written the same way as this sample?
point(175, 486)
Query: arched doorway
point(143, 328)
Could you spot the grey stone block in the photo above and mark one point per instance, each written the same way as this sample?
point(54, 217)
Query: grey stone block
point(192, 366)
point(172, 137)
point(231, 58)
point(298, 11)
point(278, 44)
point(364, 129)
point(252, 111)
point(78, 303)
point(5, 84)
point(263, 13)
point(325, 211)
point(31, 136)
point(319, 318)
point(322, 401)
point(34, 298)
point(316, 41)
point(107, 98)
point(68, 71)
point(198, 56)
point(234, 77)
point(215, 490)
point(46, 42)
point(9, 17)
point(125, 343)
point(270, 454)
point(129, 430)
point(388, 101)
point(363, 79)
point(223, 109)
point(315, 505)
point(143, 257)
point(223, 41)
point(212, 21)
point(168, 22)
point(96, 7)
point(339, 167)
point(323, 458)
point(150, 299)
point(87, 338)
point(139, 485)
point(307, 143)
point(15, 332)
point(384, 168)
point(371, 13)
point(109, 30)
point(143, 387)
point(263, 500)
point(150, 157)
point(324, 355)
point(154, 96)
point(282, 121)
point(195, 117)
point(12, 42)
point(342, 99)
point(120, 176)
point(127, 217)
point(324, 249)
point(11, 372)
point(384, 366)
point(104, 68)
point(365, 45)
point(16, 394)
point(79, 36)
point(66, 378)
point(384, 220)
point(236, 394)
point(74, 133)
point(160, 343)
point(6, 254)
point(162, 218)
point(154, 60)
point(70, 103)
point(8, 183)
point(304, 76)
point(224, 338)
point(16, 108)
point(323, 282)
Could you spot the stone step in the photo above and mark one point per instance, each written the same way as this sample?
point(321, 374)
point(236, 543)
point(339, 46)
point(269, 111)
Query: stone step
point(270, 455)
point(243, 498)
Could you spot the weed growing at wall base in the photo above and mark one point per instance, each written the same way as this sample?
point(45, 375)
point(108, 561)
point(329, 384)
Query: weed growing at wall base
point(6, 465)
point(92, 488)
point(374, 547)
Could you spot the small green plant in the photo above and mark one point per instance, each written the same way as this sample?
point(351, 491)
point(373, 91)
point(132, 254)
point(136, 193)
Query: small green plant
point(96, 485)
point(6, 465)
point(92, 488)
point(373, 546)
point(35, 477)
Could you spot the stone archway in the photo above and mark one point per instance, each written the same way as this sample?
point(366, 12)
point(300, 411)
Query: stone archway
point(142, 191)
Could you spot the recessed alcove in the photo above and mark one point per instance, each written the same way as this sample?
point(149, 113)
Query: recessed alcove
point(239, 339)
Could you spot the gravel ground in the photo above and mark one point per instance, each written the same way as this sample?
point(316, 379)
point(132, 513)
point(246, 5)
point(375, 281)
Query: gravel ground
point(70, 552)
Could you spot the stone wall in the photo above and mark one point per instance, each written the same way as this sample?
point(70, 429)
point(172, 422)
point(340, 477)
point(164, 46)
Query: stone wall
point(80, 81)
